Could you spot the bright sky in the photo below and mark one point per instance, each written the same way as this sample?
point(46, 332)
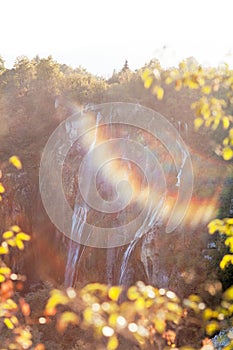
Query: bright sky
point(101, 34)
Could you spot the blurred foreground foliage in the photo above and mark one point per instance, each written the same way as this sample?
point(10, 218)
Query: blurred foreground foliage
point(213, 108)
point(147, 317)
point(14, 310)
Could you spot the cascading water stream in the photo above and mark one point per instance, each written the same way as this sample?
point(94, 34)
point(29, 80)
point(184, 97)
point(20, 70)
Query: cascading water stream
point(78, 220)
point(150, 220)
point(74, 252)
point(153, 217)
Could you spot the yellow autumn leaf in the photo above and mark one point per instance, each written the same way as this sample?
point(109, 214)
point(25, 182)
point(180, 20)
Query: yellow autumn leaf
point(198, 122)
point(148, 82)
point(182, 65)
point(93, 287)
point(174, 307)
point(160, 93)
point(195, 298)
point(215, 124)
point(146, 73)
point(192, 84)
point(228, 294)
point(2, 188)
point(226, 260)
point(168, 80)
point(15, 161)
point(2, 278)
point(8, 323)
point(206, 89)
point(14, 320)
point(207, 314)
point(69, 317)
point(212, 327)
point(23, 236)
point(132, 293)
point(227, 153)
point(226, 141)
point(65, 319)
point(215, 225)
point(4, 250)
point(11, 242)
point(5, 270)
point(19, 243)
point(112, 343)
point(15, 228)
point(7, 234)
point(225, 122)
point(88, 315)
point(229, 243)
point(231, 133)
point(139, 304)
point(160, 325)
point(57, 297)
point(205, 110)
point(114, 292)
point(10, 305)
point(113, 319)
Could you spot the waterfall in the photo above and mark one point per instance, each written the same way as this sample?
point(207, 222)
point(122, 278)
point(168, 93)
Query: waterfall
point(79, 219)
point(74, 251)
point(150, 220)
point(131, 169)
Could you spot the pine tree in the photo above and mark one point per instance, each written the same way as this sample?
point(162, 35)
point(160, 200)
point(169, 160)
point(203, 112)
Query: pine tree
point(126, 66)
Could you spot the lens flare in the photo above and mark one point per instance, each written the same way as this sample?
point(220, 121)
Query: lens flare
point(115, 145)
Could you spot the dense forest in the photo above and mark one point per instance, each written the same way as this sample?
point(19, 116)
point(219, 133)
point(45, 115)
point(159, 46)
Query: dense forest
point(35, 97)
